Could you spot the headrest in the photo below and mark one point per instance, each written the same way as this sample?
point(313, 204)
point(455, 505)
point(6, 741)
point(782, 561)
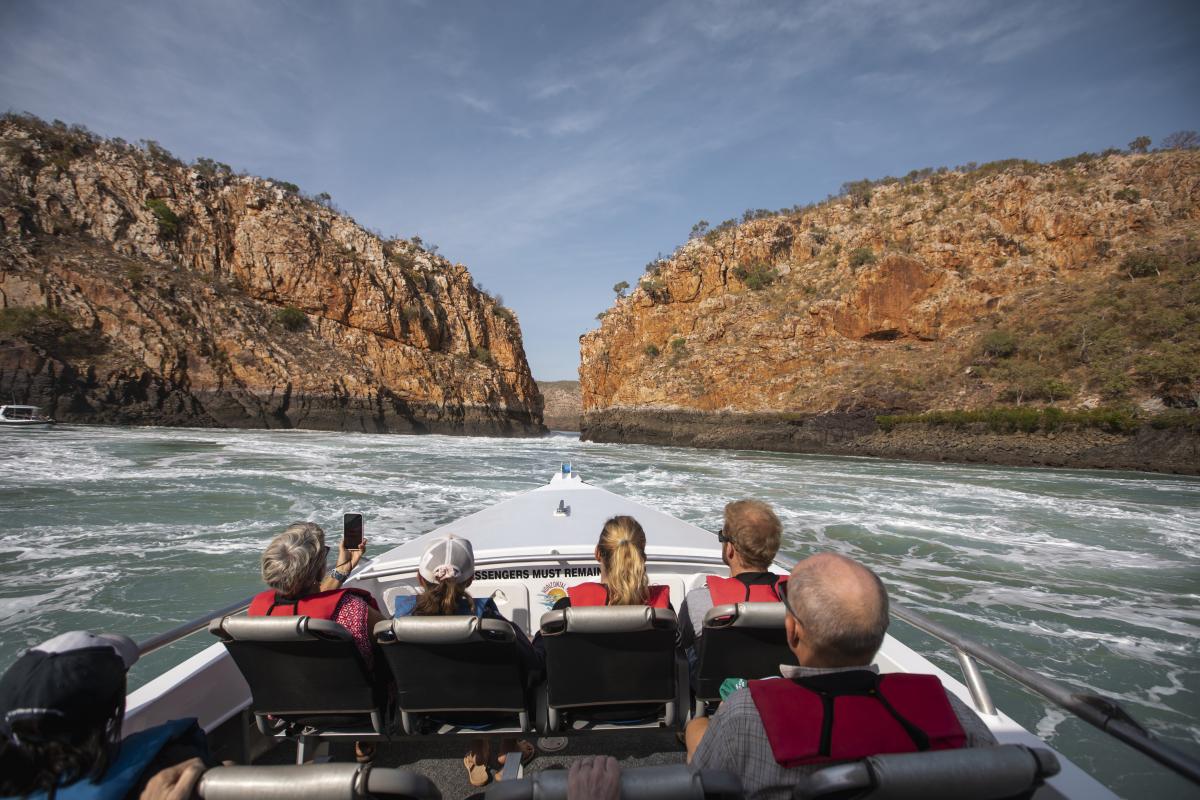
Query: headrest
point(745, 615)
point(443, 630)
point(277, 629)
point(673, 782)
point(606, 619)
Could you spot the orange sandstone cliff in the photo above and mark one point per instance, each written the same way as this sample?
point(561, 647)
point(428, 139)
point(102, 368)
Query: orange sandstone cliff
point(1072, 285)
point(134, 288)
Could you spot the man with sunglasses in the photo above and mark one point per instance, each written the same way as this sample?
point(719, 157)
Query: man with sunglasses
point(835, 706)
point(749, 540)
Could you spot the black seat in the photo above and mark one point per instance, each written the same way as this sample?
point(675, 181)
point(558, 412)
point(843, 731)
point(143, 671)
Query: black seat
point(741, 640)
point(982, 773)
point(611, 666)
point(315, 782)
point(460, 671)
point(676, 782)
point(307, 679)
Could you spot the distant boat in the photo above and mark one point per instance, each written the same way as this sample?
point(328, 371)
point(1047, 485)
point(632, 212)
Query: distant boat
point(23, 417)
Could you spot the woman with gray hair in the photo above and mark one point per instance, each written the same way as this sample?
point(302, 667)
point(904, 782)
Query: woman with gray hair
point(293, 565)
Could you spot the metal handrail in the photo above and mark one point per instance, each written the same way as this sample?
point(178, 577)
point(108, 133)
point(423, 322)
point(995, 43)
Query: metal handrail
point(1102, 712)
point(165, 638)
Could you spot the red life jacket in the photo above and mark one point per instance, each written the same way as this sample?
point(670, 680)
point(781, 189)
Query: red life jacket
point(596, 594)
point(731, 590)
point(322, 605)
point(851, 715)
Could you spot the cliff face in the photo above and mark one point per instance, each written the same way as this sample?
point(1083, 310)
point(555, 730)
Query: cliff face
point(1075, 284)
point(136, 288)
point(563, 404)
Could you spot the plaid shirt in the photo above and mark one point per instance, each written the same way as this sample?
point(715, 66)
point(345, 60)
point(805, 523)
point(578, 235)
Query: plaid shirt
point(737, 742)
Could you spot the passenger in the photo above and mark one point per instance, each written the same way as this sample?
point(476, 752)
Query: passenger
point(61, 708)
point(621, 552)
point(445, 571)
point(773, 732)
point(749, 540)
point(293, 565)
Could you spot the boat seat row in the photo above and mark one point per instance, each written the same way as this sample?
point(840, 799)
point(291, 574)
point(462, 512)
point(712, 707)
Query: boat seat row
point(986, 773)
point(606, 667)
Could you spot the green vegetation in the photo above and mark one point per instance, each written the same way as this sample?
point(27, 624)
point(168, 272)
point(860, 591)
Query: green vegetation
point(1004, 419)
point(756, 275)
point(861, 257)
point(168, 221)
point(481, 354)
point(1140, 145)
point(287, 186)
point(291, 318)
point(48, 329)
point(651, 350)
point(1145, 263)
point(504, 312)
point(620, 288)
point(1128, 194)
point(999, 344)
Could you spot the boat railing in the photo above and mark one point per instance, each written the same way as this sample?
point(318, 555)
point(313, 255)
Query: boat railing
point(1102, 712)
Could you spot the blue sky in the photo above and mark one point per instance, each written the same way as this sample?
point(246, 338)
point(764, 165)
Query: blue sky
point(556, 147)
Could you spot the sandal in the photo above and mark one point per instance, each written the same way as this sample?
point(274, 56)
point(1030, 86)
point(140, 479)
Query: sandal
point(526, 748)
point(475, 761)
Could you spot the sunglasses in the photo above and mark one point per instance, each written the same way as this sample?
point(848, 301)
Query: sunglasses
point(721, 537)
point(788, 606)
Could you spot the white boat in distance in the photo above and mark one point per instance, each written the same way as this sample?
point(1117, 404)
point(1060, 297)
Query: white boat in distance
point(15, 416)
point(528, 550)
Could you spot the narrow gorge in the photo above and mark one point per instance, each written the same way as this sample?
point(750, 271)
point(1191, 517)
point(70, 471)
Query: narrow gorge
point(135, 288)
point(1045, 313)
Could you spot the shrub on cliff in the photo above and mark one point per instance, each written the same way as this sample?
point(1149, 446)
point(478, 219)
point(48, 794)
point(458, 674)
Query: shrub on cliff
point(1128, 194)
point(481, 354)
point(1182, 140)
point(504, 313)
point(50, 330)
point(651, 350)
point(291, 318)
point(1144, 264)
point(168, 220)
point(861, 257)
point(1140, 145)
point(756, 275)
point(999, 344)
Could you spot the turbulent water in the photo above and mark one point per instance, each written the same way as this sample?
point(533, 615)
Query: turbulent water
point(1091, 577)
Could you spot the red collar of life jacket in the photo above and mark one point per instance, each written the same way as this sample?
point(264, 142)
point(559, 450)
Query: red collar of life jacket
point(845, 716)
point(732, 590)
point(596, 594)
point(322, 605)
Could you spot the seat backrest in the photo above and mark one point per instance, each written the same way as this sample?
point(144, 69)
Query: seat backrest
point(453, 663)
point(984, 773)
point(587, 646)
point(741, 640)
point(674, 782)
point(298, 665)
point(314, 782)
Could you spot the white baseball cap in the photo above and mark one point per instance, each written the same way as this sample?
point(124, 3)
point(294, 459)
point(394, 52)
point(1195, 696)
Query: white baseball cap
point(448, 559)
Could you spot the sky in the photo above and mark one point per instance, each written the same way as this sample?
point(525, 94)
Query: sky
point(557, 147)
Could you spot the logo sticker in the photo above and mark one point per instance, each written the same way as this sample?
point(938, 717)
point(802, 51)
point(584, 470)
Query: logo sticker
point(552, 592)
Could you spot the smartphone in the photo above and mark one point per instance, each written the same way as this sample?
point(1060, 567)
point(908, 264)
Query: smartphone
point(352, 531)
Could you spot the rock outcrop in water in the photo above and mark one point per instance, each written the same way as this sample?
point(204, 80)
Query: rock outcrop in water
point(1075, 284)
point(138, 289)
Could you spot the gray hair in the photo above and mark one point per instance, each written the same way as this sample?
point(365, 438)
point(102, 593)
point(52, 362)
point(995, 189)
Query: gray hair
point(294, 561)
point(844, 620)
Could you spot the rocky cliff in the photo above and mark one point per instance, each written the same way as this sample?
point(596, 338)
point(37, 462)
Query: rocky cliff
point(1074, 284)
point(135, 288)
point(564, 404)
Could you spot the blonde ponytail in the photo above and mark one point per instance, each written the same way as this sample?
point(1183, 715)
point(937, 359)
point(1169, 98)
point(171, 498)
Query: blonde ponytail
point(622, 549)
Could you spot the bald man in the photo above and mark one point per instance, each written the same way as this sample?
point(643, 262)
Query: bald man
point(835, 706)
